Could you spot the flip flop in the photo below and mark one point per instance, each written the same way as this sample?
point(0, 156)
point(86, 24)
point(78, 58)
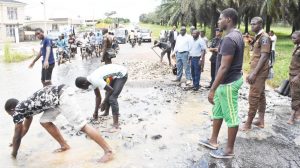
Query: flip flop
point(220, 154)
point(207, 144)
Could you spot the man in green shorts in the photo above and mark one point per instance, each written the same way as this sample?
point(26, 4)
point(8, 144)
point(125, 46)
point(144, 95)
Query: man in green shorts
point(224, 91)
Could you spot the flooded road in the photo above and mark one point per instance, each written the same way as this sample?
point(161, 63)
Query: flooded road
point(161, 123)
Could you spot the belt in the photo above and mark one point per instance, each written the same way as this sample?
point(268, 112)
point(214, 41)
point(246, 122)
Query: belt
point(183, 52)
point(195, 56)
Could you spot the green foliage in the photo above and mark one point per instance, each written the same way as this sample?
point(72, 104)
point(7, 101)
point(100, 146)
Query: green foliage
point(150, 18)
point(10, 57)
point(108, 20)
point(284, 48)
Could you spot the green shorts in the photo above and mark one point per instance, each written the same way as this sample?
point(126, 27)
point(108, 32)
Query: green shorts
point(226, 103)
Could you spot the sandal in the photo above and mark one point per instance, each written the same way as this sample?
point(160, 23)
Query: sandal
point(207, 144)
point(220, 154)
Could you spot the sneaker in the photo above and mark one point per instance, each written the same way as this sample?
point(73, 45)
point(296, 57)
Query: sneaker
point(176, 80)
point(188, 82)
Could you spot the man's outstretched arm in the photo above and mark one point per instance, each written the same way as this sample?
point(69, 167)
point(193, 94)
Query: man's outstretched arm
point(98, 102)
point(17, 139)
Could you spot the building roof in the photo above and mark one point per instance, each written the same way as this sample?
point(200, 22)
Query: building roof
point(59, 19)
point(12, 1)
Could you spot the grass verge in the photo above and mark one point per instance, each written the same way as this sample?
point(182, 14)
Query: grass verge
point(284, 49)
point(12, 56)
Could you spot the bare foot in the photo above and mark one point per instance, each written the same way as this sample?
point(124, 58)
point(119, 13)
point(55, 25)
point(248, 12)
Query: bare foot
point(95, 116)
point(259, 124)
point(62, 149)
point(291, 121)
point(107, 157)
point(246, 127)
point(297, 115)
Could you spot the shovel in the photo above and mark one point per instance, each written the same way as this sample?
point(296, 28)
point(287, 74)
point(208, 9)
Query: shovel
point(155, 52)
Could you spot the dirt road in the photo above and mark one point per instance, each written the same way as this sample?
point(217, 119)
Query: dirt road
point(161, 123)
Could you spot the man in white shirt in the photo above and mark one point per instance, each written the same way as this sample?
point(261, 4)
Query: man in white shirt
point(182, 48)
point(273, 38)
point(197, 57)
point(110, 77)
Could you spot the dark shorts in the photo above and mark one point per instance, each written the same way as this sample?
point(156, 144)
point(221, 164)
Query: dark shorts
point(47, 73)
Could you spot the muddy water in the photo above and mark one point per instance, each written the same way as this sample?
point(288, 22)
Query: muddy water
point(161, 123)
point(150, 106)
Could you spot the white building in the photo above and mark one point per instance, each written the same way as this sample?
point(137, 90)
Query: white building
point(54, 24)
point(11, 16)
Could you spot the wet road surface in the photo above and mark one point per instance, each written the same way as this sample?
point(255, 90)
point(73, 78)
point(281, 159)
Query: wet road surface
point(161, 123)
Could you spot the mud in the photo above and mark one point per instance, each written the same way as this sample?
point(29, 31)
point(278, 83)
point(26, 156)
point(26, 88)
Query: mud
point(161, 123)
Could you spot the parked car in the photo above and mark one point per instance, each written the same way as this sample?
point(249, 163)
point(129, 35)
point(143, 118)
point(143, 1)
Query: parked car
point(146, 34)
point(53, 36)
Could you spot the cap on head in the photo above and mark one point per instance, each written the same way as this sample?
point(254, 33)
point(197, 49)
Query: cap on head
point(297, 33)
point(81, 82)
point(10, 104)
point(155, 42)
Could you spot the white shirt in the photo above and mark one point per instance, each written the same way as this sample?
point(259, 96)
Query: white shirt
point(273, 39)
point(198, 46)
point(183, 43)
point(99, 76)
point(84, 41)
point(175, 35)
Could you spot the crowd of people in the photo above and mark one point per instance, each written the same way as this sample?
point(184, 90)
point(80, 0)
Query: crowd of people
point(227, 56)
point(53, 100)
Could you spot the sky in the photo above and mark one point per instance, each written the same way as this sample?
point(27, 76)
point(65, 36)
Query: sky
point(89, 9)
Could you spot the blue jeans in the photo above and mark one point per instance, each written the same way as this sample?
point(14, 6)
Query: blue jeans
point(182, 62)
point(196, 71)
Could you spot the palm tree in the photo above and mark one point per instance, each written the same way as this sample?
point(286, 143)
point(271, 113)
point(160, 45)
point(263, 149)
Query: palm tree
point(293, 14)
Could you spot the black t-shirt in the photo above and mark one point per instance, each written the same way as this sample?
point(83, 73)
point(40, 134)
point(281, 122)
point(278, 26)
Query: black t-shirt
point(163, 45)
point(214, 44)
point(232, 44)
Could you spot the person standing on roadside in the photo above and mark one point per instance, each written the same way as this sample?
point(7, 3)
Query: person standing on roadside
point(173, 37)
point(295, 78)
point(182, 48)
point(259, 71)
point(273, 38)
point(46, 52)
point(106, 45)
point(197, 58)
point(215, 42)
point(192, 28)
point(224, 92)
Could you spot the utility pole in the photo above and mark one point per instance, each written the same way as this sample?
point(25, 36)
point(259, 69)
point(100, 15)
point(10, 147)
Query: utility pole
point(45, 18)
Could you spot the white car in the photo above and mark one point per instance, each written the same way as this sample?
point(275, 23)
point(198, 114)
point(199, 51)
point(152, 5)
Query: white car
point(146, 35)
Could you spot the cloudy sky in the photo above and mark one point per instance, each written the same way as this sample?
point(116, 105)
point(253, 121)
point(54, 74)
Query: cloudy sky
point(89, 8)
